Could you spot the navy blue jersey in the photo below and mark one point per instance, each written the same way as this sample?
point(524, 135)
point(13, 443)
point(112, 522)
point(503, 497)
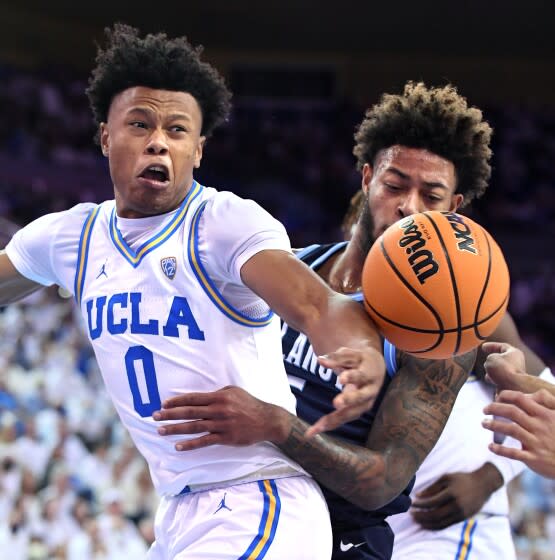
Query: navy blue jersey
point(315, 387)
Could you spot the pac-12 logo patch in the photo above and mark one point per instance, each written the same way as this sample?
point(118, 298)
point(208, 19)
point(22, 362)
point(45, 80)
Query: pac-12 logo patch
point(169, 266)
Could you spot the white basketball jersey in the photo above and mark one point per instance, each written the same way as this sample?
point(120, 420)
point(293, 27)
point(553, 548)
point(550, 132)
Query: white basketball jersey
point(160, 327)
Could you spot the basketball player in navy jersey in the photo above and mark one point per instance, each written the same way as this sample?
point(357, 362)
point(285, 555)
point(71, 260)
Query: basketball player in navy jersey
point(422, 150)
point(366, 467)
point(176, 283)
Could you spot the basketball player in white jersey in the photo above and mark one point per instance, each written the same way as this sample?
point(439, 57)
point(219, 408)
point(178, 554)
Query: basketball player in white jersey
point(177, 284)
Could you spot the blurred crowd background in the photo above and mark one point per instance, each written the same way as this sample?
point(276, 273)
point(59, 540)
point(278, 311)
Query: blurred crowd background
point(71, 484)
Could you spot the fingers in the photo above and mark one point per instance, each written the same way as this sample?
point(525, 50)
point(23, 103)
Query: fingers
point(433, 489)
point(512, 428)
point(193, 427)
point(502, 359)
point(510, 452)
point(433, 501)
point(341, 358)
point(361, 378)
point(191, 399)
point(528, 403)
point(361, 375)
point(334, 420)
point(197, 443)
point(544, 398)
point(355, 397)
point(495, 347)
point(436, 519)
point(182, 413)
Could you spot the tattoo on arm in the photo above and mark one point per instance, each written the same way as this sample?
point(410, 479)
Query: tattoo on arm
point(409, 421)
point(351, 471)
point(414, 411)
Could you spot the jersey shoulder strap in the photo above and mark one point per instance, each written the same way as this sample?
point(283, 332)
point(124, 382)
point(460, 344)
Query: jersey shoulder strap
point(315, 255)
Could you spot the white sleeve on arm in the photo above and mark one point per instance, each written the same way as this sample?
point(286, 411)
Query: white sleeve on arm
point(45, 250)
point(233, 230)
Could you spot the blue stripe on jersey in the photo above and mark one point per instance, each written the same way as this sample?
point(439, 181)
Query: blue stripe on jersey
point(465, 544)
point(304, 251)
point(135, 258)
point(323, 258)
point(390, 358)
point(268, 522)
point(83, 254)
point(209, 287)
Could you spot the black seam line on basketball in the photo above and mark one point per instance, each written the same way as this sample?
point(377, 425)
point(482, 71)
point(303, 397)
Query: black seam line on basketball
point(484, 287)
point(407, 328)
point(439, 331)
point(453, 281)
point(407, 285)
point(415, 293)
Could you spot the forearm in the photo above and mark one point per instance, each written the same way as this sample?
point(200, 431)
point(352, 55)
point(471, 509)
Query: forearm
point(352, 327)
point(413, 414)
point(13, 286)
point(530, 384)
point(351, 471)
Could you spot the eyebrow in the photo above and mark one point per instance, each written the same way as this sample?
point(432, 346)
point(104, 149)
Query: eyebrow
point(430, 184)
point(148, 112)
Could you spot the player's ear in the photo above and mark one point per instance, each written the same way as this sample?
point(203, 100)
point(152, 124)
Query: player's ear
point(198, 151)
point(456, 202)
point(367, 173)
point(103, 134)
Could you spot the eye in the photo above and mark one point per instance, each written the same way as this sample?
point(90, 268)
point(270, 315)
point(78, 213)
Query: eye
point(393, 187)
point(178, 128)
point(138, 124)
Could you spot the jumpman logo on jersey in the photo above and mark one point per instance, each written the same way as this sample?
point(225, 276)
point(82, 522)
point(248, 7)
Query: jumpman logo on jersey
point(222, 505)
point(102, 270)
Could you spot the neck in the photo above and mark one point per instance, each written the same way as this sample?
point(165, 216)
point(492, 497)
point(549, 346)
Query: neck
point(345, 273)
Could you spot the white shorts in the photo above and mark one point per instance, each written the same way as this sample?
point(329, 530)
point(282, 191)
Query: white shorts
point(480, 537)
point(285, 518)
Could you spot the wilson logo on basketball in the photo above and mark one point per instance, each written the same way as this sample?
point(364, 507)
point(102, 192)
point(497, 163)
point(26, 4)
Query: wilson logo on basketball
point(462, 232)
point(420, 260)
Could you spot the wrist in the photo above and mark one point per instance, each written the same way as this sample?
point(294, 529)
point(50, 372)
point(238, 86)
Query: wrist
point(490, 477)
point(280, 422)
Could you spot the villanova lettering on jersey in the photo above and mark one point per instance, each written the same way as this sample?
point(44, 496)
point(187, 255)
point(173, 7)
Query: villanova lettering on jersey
point(301, 354)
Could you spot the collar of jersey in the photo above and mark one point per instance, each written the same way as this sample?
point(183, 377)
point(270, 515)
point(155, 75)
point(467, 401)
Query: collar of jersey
point(135, 258)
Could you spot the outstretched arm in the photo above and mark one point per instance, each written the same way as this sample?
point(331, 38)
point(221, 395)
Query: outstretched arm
point(409, 422)
point(337, 327)
point(13, 286)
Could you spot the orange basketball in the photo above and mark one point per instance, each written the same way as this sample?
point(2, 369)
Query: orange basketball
point(436, 284)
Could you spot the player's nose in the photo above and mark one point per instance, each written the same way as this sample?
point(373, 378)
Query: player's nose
point(157, 143)
point(409, 204)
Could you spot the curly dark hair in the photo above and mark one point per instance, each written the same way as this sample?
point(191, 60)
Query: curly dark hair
point(156, 62)
point(436, 119)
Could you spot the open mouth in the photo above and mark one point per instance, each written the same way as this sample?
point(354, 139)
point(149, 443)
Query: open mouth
point(157, 175)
